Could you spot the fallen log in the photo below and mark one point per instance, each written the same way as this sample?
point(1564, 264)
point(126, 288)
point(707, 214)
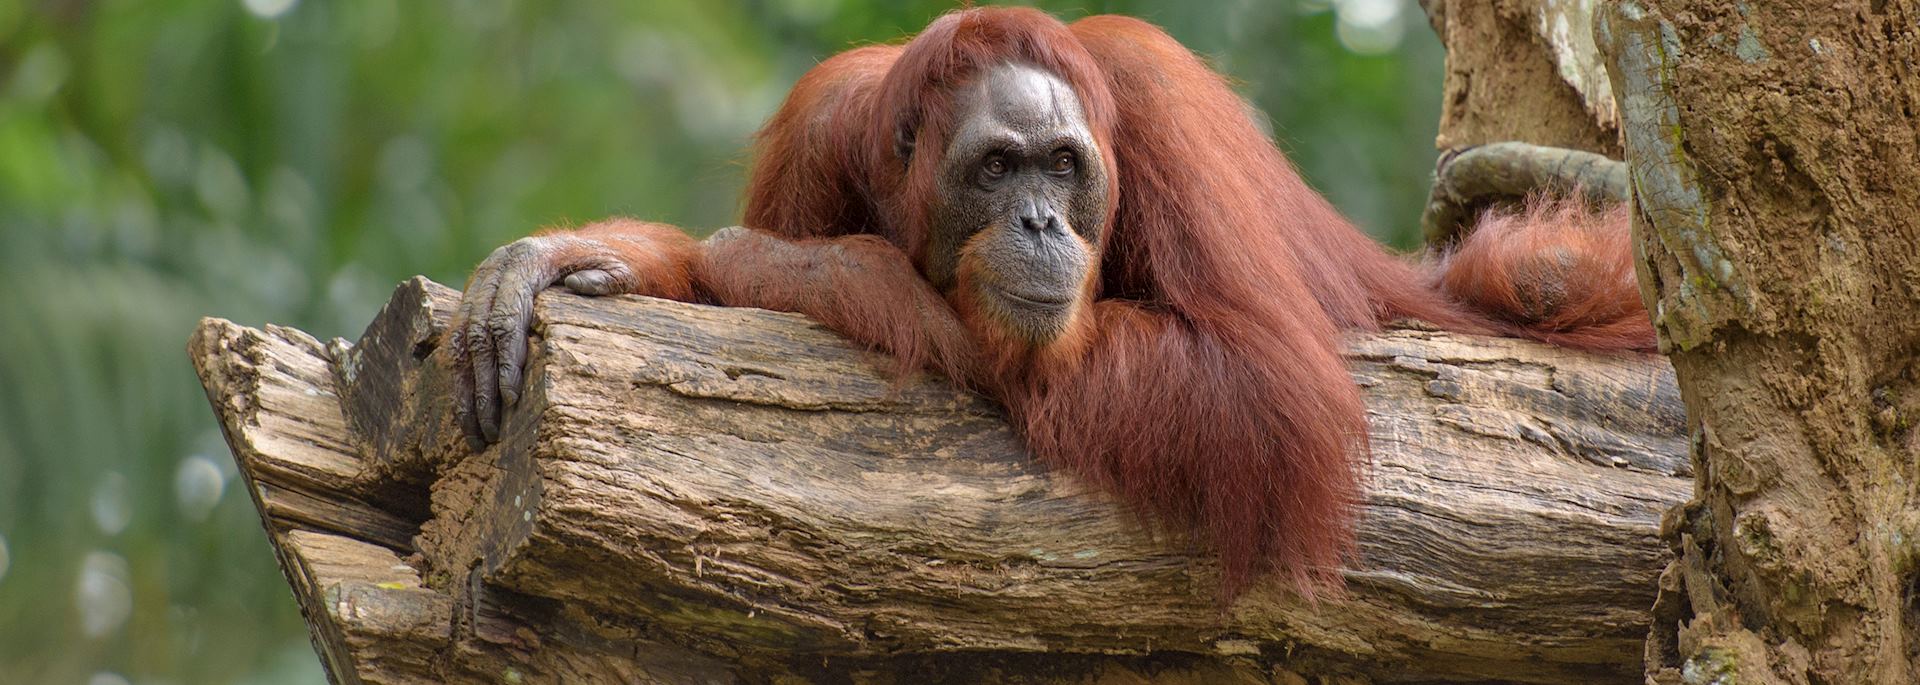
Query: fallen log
point(702, 494)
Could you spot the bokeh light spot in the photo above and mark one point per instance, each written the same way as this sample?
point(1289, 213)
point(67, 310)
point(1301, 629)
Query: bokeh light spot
point(111, 504)
point(1370, 27)
point(197, 485)
point(269, 9)
point(103, 595)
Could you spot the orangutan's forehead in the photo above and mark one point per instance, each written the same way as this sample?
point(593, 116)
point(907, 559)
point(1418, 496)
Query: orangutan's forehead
point(1025, 98)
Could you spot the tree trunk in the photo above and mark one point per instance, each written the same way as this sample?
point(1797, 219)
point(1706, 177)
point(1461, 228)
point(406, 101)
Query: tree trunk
point(700, 494)
point(1523, 70)
point(1775, 159)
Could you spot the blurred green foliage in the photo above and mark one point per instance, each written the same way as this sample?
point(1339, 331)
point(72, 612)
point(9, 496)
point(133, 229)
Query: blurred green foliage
point(280, 161)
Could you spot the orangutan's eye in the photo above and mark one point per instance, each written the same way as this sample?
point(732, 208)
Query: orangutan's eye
point(996, 166)
point(1063, 162)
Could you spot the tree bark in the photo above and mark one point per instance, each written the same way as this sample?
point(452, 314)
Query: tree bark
point(700, 494)
point(1775, 160)
point(1523, 70)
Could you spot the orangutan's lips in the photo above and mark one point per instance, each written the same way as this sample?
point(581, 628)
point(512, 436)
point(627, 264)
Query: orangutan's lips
point(1036, 301)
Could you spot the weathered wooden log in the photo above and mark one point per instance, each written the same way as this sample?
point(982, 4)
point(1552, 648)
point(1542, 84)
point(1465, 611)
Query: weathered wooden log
point(702, 494)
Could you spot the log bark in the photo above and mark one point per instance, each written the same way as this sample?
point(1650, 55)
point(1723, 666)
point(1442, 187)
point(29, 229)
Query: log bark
point(700, 494)
point(1773, 151)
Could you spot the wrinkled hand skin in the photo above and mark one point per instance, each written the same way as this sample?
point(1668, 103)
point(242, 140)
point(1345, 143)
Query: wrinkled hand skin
point(488, 335)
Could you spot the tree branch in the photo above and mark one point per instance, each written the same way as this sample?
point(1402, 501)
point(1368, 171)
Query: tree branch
point(1469, 180)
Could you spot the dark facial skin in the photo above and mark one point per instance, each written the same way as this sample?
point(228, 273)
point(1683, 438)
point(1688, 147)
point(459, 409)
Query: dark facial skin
point(1021, 196)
